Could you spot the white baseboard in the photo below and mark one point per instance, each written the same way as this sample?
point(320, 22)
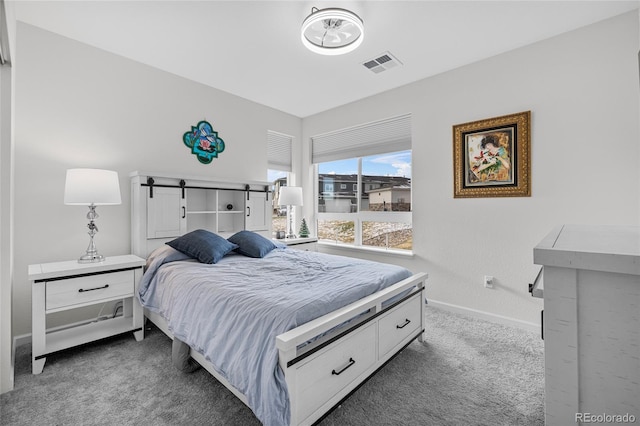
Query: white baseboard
point(23, 339)
point(475, 313)
point(499, 319)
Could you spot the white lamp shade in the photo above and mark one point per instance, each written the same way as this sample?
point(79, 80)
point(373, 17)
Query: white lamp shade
point(290, 196)
point(84, 187)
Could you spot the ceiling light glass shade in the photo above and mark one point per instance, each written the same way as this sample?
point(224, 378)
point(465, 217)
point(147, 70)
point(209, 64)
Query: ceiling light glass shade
point(332, 31)
point(290, 196)
point(85, 187)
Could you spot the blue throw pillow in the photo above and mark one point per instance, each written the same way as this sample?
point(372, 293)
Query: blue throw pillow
point(252, 244)
point(203, 245)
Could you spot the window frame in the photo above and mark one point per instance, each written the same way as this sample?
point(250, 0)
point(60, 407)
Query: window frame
point(360, 216)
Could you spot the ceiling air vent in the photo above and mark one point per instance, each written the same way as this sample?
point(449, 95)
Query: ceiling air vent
point(382, 63)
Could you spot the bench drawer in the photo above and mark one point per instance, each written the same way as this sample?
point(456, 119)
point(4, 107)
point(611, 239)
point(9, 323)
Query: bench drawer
point(400, 323)
point(323, 376)
point(90, 289)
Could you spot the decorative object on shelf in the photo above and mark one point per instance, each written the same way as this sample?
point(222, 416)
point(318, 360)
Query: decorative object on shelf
point(204, 142)
point(491, 157)
point(229, 206)
point(332, 31)
point(280, 235)
point(290, 196)
point(304, 229)
point(91, 187)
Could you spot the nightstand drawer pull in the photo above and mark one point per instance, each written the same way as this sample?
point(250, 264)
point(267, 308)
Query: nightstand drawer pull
point(406, 323)
point(82, 290)
point(337, 373)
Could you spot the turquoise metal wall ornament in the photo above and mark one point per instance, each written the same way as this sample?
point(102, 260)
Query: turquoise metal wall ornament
point(204, 142)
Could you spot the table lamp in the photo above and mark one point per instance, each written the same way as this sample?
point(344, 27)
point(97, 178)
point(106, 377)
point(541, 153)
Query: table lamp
point(290, 196)
point(91, 187)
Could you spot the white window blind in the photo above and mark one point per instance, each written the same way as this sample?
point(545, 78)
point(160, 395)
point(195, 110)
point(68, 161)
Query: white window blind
point(389, 135)
point(279, 151)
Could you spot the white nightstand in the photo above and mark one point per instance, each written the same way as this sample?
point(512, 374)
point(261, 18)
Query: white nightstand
point(308, 243)
point(61, 286)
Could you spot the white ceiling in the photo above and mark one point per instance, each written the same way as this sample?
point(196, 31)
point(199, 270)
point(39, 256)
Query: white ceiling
point(253, 49)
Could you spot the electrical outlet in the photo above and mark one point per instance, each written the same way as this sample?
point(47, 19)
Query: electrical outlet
point(488, 281)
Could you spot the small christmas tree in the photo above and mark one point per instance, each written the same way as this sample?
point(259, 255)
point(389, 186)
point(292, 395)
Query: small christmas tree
point(304, 229)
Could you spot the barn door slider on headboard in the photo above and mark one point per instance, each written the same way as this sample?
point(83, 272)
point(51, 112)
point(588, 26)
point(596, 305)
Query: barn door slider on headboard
point(183, 185)
point(150, 183)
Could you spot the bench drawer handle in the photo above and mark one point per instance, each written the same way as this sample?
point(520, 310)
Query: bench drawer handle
point(404, 325)
point(82, 290)
point(337, 373)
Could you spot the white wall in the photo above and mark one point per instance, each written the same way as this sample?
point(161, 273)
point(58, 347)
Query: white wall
point(6, 234)
point(582, 90)
point(77, 106)
point(6, 202)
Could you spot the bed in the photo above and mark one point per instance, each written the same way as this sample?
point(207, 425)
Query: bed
point(291, 333)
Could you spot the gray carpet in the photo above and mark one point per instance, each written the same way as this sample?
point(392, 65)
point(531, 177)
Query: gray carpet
point(469, 372)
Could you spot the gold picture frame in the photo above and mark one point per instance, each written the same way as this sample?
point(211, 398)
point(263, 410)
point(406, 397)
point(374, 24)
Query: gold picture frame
point(491, 158)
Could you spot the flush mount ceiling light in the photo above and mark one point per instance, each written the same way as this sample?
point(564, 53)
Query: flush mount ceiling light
point(332, 31)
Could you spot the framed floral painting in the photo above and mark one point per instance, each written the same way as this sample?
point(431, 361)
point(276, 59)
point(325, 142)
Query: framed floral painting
point(491, 158)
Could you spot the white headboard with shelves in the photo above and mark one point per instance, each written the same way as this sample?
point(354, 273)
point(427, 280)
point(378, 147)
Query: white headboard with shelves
point(165, 206)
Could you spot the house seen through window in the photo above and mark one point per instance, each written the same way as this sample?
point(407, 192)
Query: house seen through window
point(278, 179)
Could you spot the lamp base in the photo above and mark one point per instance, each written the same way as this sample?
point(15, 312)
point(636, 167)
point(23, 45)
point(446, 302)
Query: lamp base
point(91, 258)
point(290, 233)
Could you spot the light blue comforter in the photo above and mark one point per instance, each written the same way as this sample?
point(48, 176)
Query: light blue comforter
point(232, 311)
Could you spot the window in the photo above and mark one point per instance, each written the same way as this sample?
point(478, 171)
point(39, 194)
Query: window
point(330, 201)
point(378, 217)
point(374, 160)
point(388, 177)
point(279, 169)
point(395, 235)
point(338, 231)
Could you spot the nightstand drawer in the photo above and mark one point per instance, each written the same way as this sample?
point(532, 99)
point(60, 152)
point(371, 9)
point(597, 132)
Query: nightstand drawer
point(304, 246)
point(302, 243)
point(89, 289)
